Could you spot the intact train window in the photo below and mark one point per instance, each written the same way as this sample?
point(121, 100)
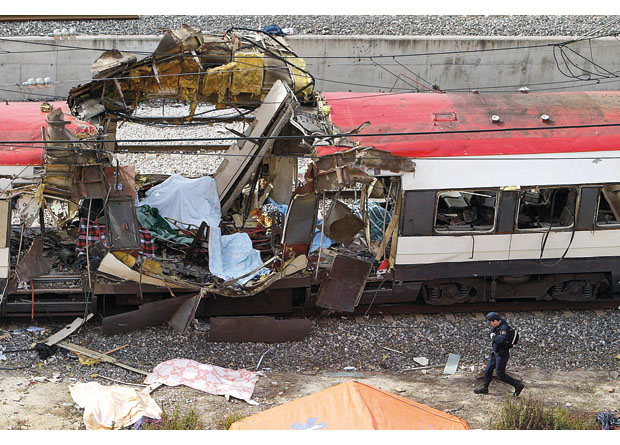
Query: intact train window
point(546, 207)
point(608, 212)
point(466, 211)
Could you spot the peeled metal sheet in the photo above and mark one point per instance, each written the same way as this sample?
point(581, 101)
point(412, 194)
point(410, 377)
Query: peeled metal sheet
point(121, 181)
point(32, 264)
point(341, 224)
point(301, 219)
point(258, 329)
point(184, 315)
point(342, 287)
point(122, 225)
point(149, 314)
point(241, 162)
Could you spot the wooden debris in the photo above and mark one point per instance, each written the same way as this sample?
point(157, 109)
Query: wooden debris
point(359, 319)
point(67, 331)
point(419, 317)
point(116, 349)
point(450, 317)
point(479, 316)
point(567, 313)
point(538, 314)
point(76, 349)
point(599, 312)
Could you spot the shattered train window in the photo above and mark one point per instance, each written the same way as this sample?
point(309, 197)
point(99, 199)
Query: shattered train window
point(608, 212)
point(466, 211)
point(543, 208)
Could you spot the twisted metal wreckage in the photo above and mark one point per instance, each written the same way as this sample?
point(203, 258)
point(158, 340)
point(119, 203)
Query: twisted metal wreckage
point(98, 246)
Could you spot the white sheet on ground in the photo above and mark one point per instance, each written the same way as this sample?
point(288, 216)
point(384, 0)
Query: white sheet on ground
point(208, 378)
point(193, 201)
point(107, 407)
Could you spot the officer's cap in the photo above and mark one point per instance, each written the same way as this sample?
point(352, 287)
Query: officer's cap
point(493, 316)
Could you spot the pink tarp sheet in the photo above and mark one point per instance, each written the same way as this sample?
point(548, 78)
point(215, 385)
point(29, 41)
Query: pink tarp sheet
point(211, 379)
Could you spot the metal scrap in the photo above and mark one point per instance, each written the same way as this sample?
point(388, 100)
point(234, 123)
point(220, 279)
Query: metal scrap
point(341, 288)
point(33, 264)
point(150, 314)
point(258, 329)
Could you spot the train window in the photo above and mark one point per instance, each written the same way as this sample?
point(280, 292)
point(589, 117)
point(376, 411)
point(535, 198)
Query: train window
point(466, 211)
point(608, 212)
point(545, 208)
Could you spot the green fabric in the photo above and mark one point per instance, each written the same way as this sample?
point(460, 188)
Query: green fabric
point(150, 219)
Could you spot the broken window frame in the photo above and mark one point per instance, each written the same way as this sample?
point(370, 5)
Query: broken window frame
point(552, 227)
point(473, 230)
point(610, 225)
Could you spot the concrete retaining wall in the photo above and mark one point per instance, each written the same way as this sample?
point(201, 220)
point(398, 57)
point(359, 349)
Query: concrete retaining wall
point(341, 63)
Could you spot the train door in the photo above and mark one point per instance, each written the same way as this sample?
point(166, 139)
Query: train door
point(598, 223)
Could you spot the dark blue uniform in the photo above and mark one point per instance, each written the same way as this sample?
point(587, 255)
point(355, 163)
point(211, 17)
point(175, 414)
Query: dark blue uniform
point(499, 358)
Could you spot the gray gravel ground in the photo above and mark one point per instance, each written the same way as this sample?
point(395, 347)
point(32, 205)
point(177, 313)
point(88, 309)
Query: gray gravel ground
point(555, 341)
point(474, 25)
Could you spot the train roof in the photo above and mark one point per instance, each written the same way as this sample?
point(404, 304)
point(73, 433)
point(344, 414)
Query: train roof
point(22, 121)
point(460, 124)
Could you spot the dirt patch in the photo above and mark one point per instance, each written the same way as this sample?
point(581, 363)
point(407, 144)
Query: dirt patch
point(27, 404)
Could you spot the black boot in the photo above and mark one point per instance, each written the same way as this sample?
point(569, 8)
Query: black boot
point(482, 390)
point(518, 388)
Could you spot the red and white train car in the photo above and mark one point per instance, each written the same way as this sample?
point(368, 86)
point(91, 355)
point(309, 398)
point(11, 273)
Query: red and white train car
point(513, 195)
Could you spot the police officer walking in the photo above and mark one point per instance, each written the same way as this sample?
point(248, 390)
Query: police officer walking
point(500, 337)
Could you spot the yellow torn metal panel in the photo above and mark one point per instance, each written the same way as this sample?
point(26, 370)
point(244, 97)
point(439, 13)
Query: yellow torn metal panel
point(300, 78)
point(248, 74)
point(217, 81)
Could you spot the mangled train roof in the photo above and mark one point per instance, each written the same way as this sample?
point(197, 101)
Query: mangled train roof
point(591, 117)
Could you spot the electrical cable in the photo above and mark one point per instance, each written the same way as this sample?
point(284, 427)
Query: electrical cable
point(326, 136)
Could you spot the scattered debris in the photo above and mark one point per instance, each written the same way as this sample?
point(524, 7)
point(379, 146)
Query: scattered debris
point(452, 364)
point(67, 331)
point(80, 350)
point(422, 361)
point(393, 350)
point(261, 358)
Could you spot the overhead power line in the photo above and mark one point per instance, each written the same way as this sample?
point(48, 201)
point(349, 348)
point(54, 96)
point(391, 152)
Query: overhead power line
point(330, 136)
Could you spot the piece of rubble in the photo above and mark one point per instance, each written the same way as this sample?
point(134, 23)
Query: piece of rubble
point(422, 361)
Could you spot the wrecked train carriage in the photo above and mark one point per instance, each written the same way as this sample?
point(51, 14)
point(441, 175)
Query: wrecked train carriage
point(441, 197)
point(513, 195)
point(234, 70)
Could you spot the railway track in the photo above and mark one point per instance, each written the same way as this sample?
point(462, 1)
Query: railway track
point(506, 306)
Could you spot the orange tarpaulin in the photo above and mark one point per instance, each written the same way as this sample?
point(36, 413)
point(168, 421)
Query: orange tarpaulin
point(351, 406)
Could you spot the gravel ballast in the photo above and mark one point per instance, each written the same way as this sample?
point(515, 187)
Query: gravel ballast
point(426, 25)
point(579, 341)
